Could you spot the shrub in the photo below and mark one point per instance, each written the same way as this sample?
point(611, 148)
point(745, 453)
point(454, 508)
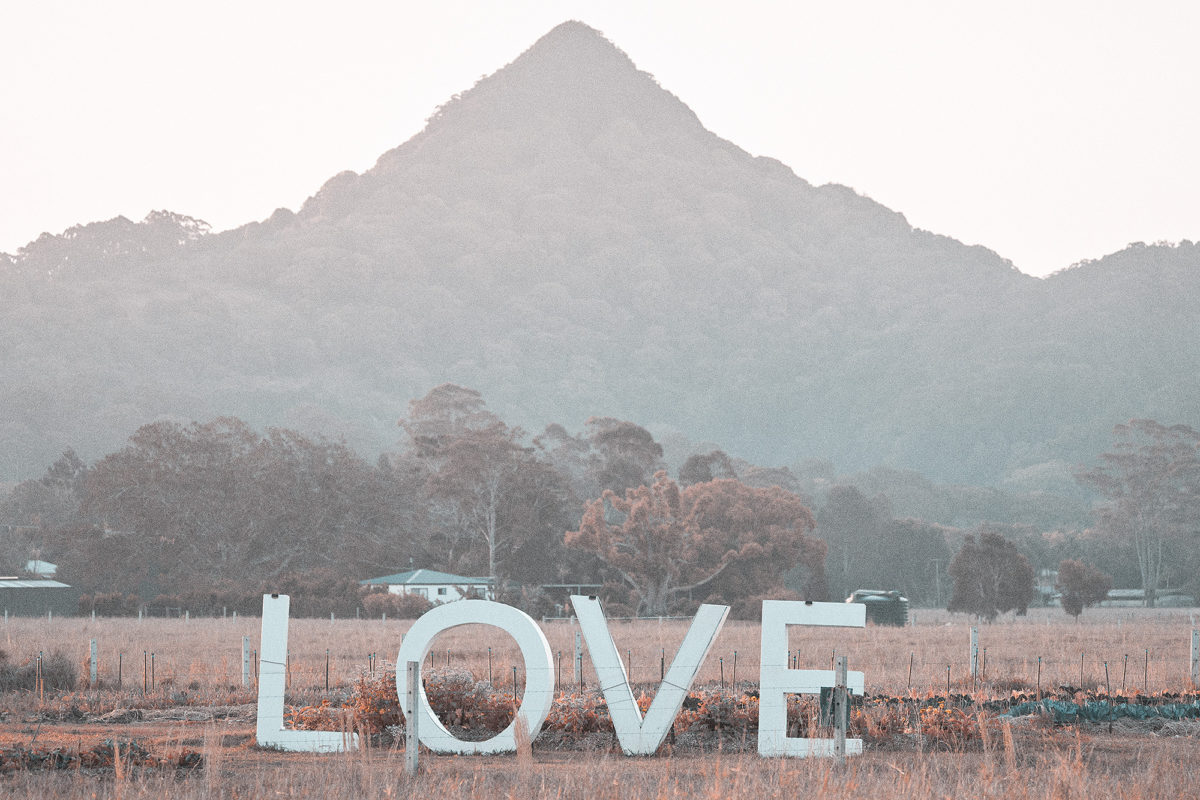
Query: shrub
point(533, 601)
point(398, 606)
point(112, 604)
point(377, 604)
point(316, 593)
point(952, 728)
point(410, 606)
point(58, 673)
point(454, 695)
point(162, 602)
point(1082, 585)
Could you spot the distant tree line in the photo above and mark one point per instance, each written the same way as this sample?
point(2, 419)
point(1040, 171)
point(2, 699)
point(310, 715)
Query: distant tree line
point(211, 514)
point(197, 513)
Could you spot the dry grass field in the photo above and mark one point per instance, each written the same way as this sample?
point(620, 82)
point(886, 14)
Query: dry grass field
point(1144, 649)
point(196, 705)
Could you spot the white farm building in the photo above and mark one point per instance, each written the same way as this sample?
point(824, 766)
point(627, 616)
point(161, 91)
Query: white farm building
point(437, 587)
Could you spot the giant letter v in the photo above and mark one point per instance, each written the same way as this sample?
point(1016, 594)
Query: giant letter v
point(638, 736)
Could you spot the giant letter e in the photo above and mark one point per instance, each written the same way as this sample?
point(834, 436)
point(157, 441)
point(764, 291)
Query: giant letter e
point(777, 680)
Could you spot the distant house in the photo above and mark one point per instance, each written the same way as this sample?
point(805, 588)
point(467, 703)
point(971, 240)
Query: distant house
point(43, 569)
point(1045, 586)
point(35, 597)
point(437, 587)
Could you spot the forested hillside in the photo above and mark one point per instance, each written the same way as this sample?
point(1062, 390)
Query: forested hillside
point(209, 515)
point(567, 238)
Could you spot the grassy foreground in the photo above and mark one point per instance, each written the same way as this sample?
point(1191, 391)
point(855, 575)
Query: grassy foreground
point(197, 668)
point(1057, 764)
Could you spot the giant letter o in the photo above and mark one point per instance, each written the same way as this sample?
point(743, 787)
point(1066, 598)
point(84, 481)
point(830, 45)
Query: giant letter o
point(539, 672)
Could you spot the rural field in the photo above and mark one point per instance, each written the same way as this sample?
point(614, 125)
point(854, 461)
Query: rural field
point(170, 701)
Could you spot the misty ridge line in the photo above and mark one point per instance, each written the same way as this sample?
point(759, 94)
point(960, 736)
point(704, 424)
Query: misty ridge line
point(567, 238)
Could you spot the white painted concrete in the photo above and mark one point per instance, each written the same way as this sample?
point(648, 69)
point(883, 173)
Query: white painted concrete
point(777, 680)
point(539, 672)
point(638, 736)
point(272, 681)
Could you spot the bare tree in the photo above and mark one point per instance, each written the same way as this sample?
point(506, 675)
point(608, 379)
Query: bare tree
point(1151, 484)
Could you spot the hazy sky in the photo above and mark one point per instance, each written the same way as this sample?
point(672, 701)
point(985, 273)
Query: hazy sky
point(1048, 131)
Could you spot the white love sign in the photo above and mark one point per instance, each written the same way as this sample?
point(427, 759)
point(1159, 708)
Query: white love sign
point(638, 735)
point(539, 672)
point(641, 737)
point(272, 679)
point(776, 680)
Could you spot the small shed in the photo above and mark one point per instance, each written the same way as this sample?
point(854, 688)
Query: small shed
point(435, 586)
point(35, 597)
point(883, 607)
point(42, 569)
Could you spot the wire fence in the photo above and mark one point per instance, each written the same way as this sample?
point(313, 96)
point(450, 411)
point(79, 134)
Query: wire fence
point(1116, 651)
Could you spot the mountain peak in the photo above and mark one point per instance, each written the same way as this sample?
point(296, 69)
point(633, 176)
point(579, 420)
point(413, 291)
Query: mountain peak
point(572, 97)
point(574, 75)
point(576, 44)
point(574, 33)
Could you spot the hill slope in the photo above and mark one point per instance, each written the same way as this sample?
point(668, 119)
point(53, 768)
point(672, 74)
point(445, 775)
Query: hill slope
point(567, 238)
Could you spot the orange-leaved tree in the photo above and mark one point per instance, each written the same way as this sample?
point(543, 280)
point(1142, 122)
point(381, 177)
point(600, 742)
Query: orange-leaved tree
point(664, 542)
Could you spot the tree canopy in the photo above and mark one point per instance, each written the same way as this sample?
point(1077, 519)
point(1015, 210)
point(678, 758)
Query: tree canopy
point(1151, 484)
point(990, 576)
point(488, 489)
point(664, 542)
point(1081, 585)
point(219, 499)
point(196, 505)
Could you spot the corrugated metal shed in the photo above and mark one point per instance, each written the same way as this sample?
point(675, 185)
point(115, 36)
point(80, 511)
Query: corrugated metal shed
point(884, 607)
point(31, 583)
point(37, 596)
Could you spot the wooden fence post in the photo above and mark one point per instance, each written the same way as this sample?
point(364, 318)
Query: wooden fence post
point(840, 709)
point(579, 659)
point(245, 661)
point(412, 673)
point(93, 657)
point(1195, 670)
point(974, 663)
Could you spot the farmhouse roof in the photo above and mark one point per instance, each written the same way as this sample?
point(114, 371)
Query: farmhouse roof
point(424, 577)
point(31, 583)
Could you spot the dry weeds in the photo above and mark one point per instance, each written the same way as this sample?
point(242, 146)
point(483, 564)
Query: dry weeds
point(204, 655)
point(202, 706)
